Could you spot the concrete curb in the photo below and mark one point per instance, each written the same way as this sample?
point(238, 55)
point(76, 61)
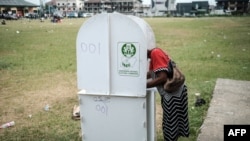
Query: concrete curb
point(229, 105)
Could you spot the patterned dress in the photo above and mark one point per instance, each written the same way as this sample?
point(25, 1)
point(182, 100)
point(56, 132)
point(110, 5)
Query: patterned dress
point(175, 105)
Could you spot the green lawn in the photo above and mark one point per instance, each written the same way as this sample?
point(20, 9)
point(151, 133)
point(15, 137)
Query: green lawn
point(38, 67)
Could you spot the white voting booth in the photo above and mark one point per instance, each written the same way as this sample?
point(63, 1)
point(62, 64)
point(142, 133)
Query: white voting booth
point(111, 75)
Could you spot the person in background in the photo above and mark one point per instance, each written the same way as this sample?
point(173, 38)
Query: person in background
point(175, 121)
point(3, 22)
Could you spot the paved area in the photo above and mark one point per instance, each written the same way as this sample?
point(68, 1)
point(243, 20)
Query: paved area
point(230, 105)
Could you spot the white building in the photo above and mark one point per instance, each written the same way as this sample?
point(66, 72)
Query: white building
point(66, 6)
point(162, 7)
point(109, 6)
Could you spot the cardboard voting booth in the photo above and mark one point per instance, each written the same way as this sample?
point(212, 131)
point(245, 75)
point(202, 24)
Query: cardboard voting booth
point(111, 76)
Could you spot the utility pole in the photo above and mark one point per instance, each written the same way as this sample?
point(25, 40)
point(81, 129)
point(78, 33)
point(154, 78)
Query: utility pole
point(41, 7)
point(169, 8)
point(67, 8)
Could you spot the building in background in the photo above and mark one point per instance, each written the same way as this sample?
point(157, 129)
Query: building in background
point(108, 6)
point(162, 7)
point(233, 6)
point(180, 7)
point(49, 8)
point(129, 7)
point(17, 7)
point(66, 7)
point(199, 7)
point(194, 8)
point(99, 6)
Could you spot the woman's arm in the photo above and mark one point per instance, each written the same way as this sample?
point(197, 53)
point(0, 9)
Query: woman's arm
point(161, 78)
point(149, 74)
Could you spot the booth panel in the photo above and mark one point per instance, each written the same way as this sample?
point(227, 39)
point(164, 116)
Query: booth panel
point(113, 118)
point(129, 57)
point(93, 56)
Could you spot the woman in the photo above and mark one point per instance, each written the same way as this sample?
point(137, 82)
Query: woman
point(174, 104)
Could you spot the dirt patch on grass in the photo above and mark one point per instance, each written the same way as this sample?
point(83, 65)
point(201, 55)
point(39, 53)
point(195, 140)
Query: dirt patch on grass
point(32, 96)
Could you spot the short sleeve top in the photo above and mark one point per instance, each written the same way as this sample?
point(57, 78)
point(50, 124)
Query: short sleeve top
point(159, 60)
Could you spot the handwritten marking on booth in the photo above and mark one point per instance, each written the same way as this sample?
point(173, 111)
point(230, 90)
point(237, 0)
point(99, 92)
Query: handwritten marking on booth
point(101, 104)
point(91, 48)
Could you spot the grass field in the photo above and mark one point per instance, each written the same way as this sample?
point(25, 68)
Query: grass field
point(38, 67)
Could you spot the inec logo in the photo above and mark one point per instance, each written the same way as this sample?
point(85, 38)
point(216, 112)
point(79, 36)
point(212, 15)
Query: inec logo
point(128, 56)
point(128, 50)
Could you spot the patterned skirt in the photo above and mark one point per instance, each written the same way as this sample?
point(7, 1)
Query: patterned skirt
point(175, 115)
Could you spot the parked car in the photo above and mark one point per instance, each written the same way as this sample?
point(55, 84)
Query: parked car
point(72, 15)
point(10, 17)
point(85, 15)
point(80, 15)
point(31, 15)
